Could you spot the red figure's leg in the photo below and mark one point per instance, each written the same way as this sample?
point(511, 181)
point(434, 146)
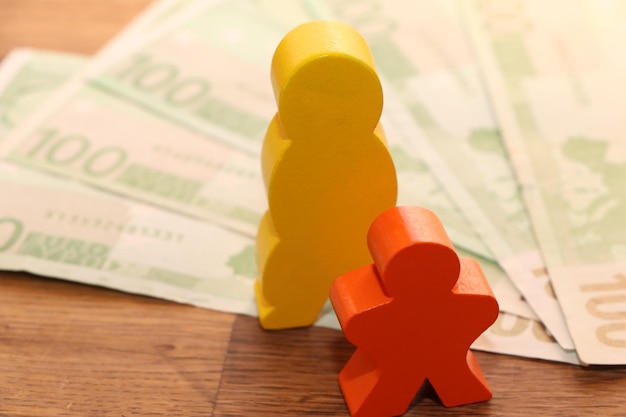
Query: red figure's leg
point(461, 382)
point(369, 393)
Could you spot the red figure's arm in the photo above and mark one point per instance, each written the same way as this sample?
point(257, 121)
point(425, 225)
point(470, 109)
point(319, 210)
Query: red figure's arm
point(355, 296)
point(471, 279)
point(473, 294)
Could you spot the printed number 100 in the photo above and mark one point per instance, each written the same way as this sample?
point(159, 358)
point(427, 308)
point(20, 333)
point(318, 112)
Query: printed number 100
point(612, 294)
point(69, 150)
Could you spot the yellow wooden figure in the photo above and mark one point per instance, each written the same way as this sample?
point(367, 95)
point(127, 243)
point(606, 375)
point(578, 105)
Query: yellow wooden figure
point(327, 171)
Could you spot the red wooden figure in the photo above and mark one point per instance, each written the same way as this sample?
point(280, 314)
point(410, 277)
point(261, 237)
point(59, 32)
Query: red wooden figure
point(413, 315)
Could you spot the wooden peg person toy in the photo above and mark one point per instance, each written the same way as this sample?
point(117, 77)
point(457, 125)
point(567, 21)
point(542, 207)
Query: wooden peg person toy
point(413, 315)
point(326, 167)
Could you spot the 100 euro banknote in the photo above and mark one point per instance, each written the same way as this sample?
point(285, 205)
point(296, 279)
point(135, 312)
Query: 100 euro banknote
point(555, 73)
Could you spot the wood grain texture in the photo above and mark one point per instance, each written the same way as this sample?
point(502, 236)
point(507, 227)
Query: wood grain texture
point(73, 350)
point(288, 372)
point(294, 373)
point(80, 26)
point(68, 349)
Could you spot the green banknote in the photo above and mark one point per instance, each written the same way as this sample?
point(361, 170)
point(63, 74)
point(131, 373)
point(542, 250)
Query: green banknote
point(65, 230)
point(555, 72)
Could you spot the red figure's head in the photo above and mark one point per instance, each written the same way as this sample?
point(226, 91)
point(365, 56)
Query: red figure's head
point(405, 239)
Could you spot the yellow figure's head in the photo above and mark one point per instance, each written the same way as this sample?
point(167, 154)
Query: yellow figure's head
point(325, 82)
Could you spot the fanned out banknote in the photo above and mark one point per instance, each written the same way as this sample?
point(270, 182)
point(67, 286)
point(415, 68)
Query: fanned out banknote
point(555, 72)
point(123, 244)
point(482, 180)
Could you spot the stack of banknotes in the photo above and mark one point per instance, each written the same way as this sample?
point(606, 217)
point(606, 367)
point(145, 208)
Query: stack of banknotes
point(138, 168)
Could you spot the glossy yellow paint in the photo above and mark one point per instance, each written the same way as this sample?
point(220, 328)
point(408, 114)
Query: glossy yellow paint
point(327, 171)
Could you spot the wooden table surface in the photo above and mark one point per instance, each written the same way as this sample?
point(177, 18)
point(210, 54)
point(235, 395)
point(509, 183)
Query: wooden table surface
point(72, 350)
